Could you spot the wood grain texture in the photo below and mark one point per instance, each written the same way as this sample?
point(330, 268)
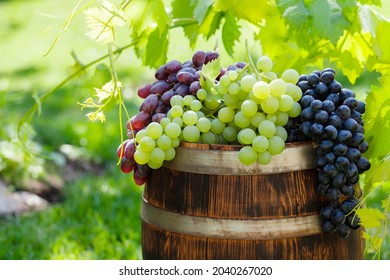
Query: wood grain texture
point(244, 197)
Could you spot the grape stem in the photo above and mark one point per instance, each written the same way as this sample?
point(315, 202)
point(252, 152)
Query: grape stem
point(252, 64)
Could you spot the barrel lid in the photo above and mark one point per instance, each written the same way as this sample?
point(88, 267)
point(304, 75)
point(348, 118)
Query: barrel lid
point(216, 159)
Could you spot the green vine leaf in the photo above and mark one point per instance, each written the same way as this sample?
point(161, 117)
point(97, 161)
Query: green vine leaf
point(208, 74)
point(106, 95)
point(102, 21)
point(230, 33)
point(370, 217)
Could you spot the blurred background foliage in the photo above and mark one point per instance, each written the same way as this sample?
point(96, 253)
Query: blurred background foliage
point(98, 213)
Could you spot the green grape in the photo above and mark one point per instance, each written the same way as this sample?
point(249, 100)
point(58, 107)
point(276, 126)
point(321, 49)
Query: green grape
point(278, 87)
point(154, 165)
point(246, 136)
point(147, 144)
point(230, 134)
point(200, 114)
point(209, 138)
point(176, 111)
point(140, 134)
point(164, 142)
point(249, 108)
point(217, 126)
point(281, 132)
point(295, 110)
point(270, 105)
point(211, 103)
point(221, 88)
point(261, 89)
point(271, 118)
point(225, 81)
point(169, 115)
point(276, 145)
point(226, 114)
point(232, 75)
point(257, 119)
point(178, 121)
point(290, 76)
point(191, 133)
point(157, 155)
point(188, 99)
point(241, 121)
point(221, 139)
point(141, 157)
point(201, 94)
point(260, 143)
point(230, 100)
point(281, 118)
point(195, 105)
point(234, 89)
point(247, 155)
point(190, 117)
point(170, 154)
point(247, 83)
point(294, 91)
point(173, 130)
point(203, 124)
point(264, 63)
point(164, 122)
point(267, 128)
point(175, 142)
point(176, 100)
point(252, 97)
point(271, 75)
point(285, 103)
point(154, 130)
point(264, 158)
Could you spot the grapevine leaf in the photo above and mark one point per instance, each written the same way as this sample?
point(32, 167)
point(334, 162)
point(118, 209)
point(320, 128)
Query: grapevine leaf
point(377, 118)
point(370, 217)
point(156, 48)
point(294, 11)
point(201, 9)
point(230, 33)
point(209, 73)
point(212, 69)
point(367, 20)
point(147, 14)
point(103, 20)
point(254, 11)
point(210, 23)
point(184, 9)
point(371, 2)
point(96, 116)
point(108, 90)
point(350, 66)
point(378, 174)
point(327, 19)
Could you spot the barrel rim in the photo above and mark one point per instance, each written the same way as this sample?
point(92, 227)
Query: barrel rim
point(217, 159)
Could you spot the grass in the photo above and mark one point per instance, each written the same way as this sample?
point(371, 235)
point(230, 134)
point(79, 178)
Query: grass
point(99, 219)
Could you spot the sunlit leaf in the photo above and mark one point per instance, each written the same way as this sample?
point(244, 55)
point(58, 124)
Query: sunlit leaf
point(230, 33)
point(370, 217)
point(102, 21)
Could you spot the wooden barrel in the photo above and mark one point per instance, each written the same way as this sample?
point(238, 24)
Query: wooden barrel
point(206, 205)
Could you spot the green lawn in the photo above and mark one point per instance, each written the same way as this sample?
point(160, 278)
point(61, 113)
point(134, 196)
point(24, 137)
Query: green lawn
point(99, 219)
point(100, 216)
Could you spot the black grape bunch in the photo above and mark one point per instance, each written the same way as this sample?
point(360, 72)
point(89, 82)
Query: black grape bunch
point(332, 118)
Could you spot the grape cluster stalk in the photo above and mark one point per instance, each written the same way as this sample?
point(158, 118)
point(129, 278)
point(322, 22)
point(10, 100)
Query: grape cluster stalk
point(332, 117)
